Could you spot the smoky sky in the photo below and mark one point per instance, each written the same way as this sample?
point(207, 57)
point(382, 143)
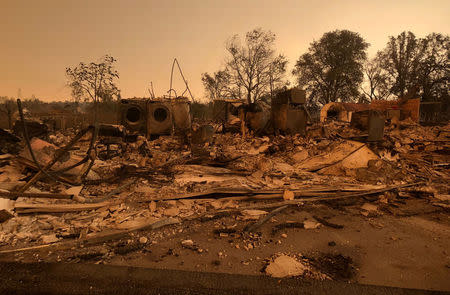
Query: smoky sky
point(39, 39)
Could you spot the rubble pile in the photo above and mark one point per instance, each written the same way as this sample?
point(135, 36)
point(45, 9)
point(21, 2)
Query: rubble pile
point(151, 184)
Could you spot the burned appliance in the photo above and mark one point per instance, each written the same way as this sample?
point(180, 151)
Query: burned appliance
point(288, 111)
point(226, 112)
point(157, 116)
point(133, 114)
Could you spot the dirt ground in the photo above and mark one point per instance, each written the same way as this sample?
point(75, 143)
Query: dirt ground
point(409, 251)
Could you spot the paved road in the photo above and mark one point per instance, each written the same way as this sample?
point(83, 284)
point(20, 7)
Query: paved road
point(52, 278)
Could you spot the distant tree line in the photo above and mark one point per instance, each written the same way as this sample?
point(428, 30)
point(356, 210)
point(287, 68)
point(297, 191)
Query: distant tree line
point(335, 68)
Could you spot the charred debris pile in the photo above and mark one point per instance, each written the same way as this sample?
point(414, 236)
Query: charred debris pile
point(70, 188)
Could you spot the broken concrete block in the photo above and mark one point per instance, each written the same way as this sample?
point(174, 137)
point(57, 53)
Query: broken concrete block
point(311, 224)
point(285, 266)
point(187, 243)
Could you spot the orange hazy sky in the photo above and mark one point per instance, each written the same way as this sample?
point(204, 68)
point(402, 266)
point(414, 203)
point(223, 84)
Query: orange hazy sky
point(40, 38)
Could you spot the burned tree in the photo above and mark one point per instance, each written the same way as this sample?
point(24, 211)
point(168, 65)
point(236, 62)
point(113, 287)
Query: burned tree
point(217, 85)
point(252, 69)
point(377, 81)
point(95, 81)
